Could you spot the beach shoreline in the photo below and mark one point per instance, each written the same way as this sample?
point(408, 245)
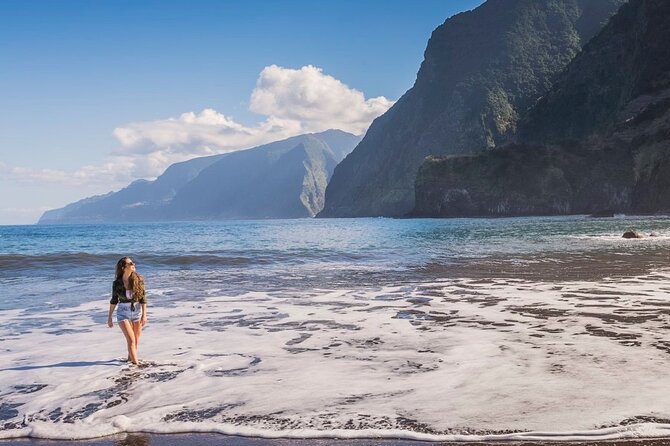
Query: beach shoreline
point(214, 439)
point(407, 335)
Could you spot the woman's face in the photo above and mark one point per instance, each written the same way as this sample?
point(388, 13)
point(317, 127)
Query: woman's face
point(129, 265)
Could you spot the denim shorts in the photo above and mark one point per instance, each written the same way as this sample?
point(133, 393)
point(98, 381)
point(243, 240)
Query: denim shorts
point(124, 313)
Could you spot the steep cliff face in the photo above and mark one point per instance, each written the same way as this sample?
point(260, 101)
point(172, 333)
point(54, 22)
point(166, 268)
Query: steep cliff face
point(599, 140)
point(595, 93)
point(526, 180)
point(284, 179)
point(482, 70)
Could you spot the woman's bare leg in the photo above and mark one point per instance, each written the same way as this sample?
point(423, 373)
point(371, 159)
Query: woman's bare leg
point(137, 330)
point(127, 329)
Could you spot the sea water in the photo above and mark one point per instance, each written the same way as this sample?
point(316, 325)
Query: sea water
point(462, 329)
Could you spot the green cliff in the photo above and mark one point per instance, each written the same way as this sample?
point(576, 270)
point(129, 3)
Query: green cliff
point(598, 140)
point(482, 70)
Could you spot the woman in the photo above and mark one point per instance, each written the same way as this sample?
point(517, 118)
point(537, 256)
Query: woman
point(128, 293)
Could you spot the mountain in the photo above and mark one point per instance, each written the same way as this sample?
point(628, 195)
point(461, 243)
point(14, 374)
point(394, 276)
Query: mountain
point(481, 72)
point(284, 179)
point(597, 142)
point(139, 201)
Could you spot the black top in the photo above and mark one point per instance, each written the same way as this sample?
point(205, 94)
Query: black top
point(119, 294)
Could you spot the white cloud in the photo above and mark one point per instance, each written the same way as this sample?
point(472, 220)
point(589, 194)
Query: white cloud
point(110, 174)
point(316, 100)
point(209, 127)
point(292, 102)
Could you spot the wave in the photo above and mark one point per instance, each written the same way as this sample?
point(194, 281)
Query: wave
point(65, 260)
point(197, 259)
point(81, 259)
point(21, 261)
point(452, 360)
point(122, 424)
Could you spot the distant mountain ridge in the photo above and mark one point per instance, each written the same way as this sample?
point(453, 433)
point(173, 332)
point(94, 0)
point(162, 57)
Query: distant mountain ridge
point(597, 142)
point(482, 70)
point(284, 179)
point(139, 201)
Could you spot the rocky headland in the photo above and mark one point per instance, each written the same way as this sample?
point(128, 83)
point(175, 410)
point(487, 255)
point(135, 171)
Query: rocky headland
point(599, 140)
point(482, 71)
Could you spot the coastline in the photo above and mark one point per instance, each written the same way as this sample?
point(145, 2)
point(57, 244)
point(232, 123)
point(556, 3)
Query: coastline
point(209, 439)
point(524, 339)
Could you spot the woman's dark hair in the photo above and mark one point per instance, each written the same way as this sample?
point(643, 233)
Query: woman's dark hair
point(135, 281)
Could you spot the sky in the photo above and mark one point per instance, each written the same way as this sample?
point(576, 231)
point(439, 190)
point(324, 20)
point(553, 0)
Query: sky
point(97, 94)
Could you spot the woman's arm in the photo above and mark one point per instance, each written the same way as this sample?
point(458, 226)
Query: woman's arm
point(110, 324)
point(143, 320)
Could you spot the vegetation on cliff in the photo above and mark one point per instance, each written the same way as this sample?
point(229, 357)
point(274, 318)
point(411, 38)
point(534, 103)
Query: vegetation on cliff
point(525, 180)
point(482, 70)
point(600, 139)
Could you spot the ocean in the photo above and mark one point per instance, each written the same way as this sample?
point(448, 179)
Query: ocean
point(543, 328)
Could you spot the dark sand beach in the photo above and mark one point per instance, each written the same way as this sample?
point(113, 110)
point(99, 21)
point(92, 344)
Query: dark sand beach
point(217, 439)
point(557, 267)
point(577, 313)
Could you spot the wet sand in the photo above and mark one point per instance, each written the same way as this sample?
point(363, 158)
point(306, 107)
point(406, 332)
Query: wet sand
point(541, 268)
point(552, 267)
point(225, 440)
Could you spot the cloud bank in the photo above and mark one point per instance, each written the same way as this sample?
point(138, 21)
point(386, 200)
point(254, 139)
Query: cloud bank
point(292, 102)
point(314, 100)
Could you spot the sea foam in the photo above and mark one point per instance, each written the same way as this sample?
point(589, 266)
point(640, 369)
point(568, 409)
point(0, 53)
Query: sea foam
point(456, 359)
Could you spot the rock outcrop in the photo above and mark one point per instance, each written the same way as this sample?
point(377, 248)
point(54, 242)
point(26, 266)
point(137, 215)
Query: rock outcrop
point(600, 139)
point(482, 70)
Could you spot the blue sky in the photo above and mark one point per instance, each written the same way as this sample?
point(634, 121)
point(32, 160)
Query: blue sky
point(73, 71)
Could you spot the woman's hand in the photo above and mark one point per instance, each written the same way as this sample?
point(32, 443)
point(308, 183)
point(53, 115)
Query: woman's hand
point(110, 324)
point(143, 320)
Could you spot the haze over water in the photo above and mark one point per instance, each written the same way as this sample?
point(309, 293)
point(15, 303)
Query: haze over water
point(427, 329)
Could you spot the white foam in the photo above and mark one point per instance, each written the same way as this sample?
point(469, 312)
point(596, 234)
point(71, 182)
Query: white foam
point(445, 361)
